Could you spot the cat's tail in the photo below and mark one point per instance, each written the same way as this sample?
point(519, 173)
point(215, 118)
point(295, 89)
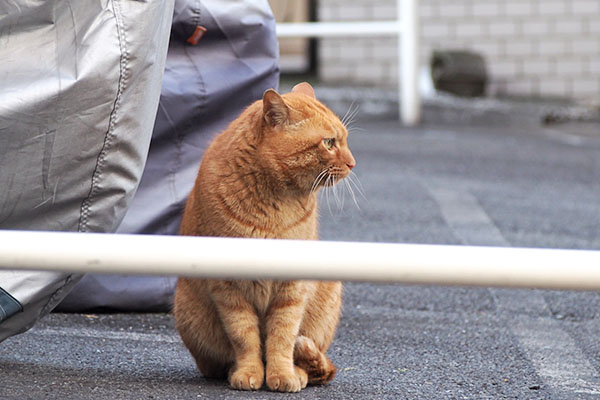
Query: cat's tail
point(307, 356)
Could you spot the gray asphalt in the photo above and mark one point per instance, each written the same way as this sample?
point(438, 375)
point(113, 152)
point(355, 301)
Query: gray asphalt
point(451, 183)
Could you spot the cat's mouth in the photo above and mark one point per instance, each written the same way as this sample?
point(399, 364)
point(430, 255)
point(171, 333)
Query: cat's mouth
point(335, 175)
point(329, 177)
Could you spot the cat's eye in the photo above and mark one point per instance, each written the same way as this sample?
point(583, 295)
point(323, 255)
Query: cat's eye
point(328, 142)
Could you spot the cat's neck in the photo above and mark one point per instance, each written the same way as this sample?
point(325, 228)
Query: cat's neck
point(271, 208)
point(252, 186)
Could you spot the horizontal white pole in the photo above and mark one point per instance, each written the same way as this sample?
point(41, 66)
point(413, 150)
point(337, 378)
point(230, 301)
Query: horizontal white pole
point(333, 29)
point(286, 259)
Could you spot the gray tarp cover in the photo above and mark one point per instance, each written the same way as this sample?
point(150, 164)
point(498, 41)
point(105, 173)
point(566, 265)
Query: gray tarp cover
point(80, 84)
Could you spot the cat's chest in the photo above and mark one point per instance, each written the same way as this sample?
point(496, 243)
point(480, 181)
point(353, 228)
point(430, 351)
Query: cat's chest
point(259, 293)
point(264, 294)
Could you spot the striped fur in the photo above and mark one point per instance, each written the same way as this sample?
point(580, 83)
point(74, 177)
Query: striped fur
point(259, 179)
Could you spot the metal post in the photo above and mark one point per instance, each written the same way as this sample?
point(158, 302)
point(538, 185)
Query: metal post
point(408, 62)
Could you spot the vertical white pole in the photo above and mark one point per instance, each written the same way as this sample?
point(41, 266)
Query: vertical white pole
point(408, 62)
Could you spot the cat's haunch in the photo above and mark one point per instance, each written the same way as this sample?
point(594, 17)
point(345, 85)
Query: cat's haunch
point(259, 179)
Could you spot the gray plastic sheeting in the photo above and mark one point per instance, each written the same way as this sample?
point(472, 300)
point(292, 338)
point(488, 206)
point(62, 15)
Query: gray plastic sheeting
point(204, 88)
point(79, 89)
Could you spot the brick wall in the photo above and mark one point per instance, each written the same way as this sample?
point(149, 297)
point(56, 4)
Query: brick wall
point(532, 47)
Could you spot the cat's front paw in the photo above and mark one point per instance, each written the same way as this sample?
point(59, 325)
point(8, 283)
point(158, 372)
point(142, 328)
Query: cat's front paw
point(247, 378)
point(287, 381)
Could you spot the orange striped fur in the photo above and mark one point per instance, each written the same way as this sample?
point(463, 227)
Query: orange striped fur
point(259, 179)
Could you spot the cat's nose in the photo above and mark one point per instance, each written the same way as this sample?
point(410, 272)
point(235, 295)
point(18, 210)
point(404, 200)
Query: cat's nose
point(350, 162)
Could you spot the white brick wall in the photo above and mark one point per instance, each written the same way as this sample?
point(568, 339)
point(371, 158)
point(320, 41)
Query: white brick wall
point(532, 47)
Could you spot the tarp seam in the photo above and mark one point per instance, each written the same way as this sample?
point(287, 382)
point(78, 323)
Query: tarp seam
point(97, 174)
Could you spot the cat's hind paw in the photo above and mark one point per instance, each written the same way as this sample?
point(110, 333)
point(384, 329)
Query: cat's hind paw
point(318, 367)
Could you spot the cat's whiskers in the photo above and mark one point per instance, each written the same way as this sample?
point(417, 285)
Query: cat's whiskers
point(351, 116)
point(343, 196)
point(318, 179)
point(351, 184)
point(327, 188)
point(339, 198)
point(351, 191)
point(331, 185)
point(353, 129)
point(353, 180)
point(347, 112)
point(334, 190)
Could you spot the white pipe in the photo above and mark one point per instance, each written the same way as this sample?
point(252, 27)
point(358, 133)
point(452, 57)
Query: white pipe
point(338, 29)
point(285, 259)
point(408, 62)
point(406, 27)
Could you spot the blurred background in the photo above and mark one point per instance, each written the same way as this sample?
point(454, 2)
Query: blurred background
point(546, 49)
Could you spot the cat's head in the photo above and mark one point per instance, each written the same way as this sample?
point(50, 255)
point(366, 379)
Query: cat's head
point(303, 142)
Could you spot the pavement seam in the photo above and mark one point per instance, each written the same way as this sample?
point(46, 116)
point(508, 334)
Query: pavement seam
point(564, 368)
point(104, 334)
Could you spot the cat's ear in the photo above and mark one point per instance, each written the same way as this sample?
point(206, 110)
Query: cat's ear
point(304, 88)
point(274, 109)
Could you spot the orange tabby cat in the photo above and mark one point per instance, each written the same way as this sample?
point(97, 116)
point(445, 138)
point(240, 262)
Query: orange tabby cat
point(259, 179)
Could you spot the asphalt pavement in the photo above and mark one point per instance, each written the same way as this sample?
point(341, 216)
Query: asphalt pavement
point(465, 181)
